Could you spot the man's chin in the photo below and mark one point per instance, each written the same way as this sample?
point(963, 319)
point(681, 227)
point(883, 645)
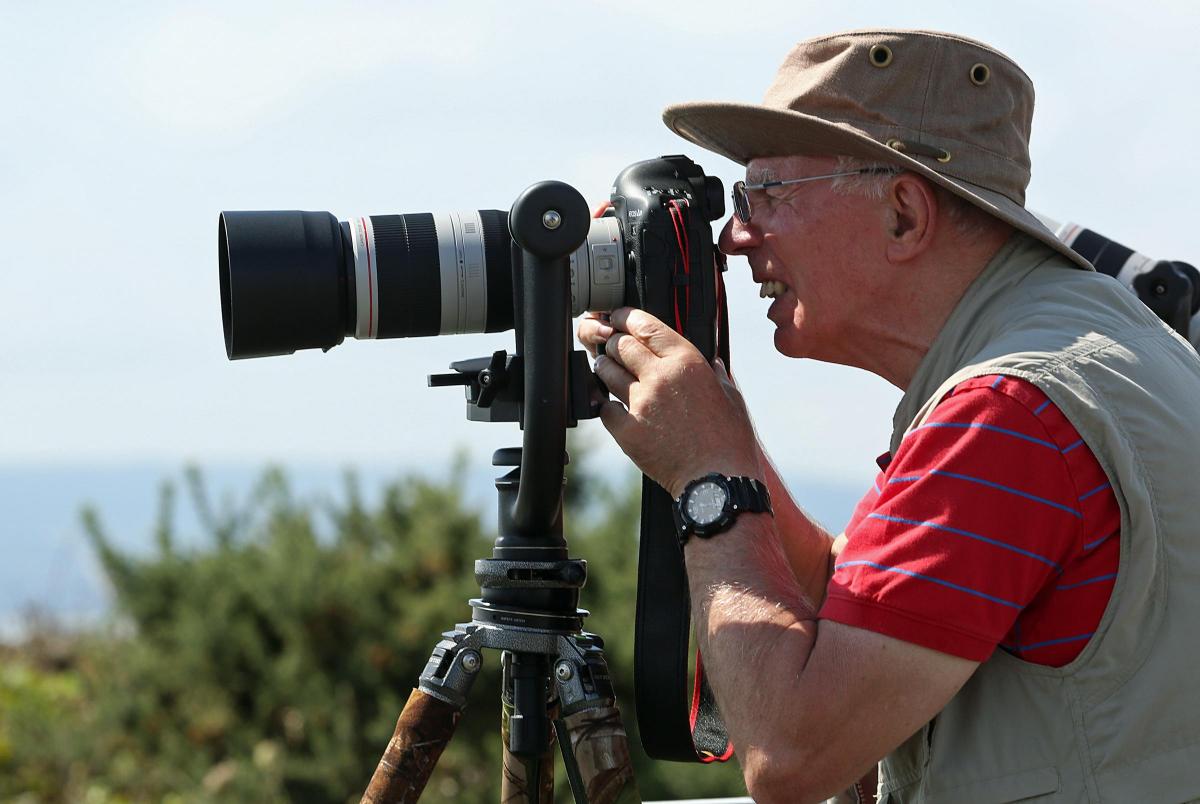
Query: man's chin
point(788, 342)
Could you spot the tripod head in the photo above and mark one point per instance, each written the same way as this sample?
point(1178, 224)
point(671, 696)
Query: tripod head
point(546, 387)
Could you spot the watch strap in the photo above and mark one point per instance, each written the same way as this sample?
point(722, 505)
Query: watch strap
point(750, 494)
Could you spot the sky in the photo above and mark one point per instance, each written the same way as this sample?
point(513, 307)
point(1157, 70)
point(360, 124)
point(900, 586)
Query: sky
point(126, 127)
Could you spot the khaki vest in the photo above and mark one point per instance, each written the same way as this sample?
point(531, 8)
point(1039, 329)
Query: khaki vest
point(1120, 723)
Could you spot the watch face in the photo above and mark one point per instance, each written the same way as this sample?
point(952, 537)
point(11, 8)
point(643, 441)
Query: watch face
point(705, 502)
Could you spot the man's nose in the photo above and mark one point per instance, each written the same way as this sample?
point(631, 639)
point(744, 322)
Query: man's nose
point(737, 238)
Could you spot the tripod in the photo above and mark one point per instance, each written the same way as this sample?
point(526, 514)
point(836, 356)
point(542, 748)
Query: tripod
point(556, 686)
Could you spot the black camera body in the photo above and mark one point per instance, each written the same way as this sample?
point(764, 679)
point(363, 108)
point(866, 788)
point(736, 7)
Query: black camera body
point(669, 274)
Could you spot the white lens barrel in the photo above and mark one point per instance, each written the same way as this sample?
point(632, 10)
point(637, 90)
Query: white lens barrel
point(436, 272)
point(598, 269)
point(464, 283)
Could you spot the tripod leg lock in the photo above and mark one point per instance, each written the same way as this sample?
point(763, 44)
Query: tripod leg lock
point(453, 666)
point(582, 674)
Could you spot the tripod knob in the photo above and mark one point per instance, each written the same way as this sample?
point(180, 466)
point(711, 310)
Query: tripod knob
point(549, 220)
point(485, 377)
point(492, 379)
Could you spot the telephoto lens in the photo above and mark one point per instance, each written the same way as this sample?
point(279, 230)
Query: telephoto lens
point(1171, 288)
point(303, 280)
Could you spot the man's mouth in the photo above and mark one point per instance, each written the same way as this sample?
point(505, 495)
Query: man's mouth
point(771, 289)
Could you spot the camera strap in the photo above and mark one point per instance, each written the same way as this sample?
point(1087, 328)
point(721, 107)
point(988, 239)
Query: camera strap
point(673, 725)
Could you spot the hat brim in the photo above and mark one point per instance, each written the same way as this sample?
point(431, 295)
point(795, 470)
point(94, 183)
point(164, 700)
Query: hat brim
point(742, 131)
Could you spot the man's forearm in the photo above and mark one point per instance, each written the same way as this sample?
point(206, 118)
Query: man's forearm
point(805, 544)
point(756, 628)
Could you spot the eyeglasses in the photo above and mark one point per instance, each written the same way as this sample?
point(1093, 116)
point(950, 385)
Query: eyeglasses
point(741, 195)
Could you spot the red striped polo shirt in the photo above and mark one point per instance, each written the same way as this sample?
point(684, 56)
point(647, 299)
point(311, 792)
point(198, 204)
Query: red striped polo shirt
point(993, 524)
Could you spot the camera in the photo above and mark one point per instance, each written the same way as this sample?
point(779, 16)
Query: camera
point(1170, 288)
point(305, 280)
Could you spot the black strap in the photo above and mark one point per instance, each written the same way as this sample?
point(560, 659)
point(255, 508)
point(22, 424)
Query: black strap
point(672, 724)
point(662, 631)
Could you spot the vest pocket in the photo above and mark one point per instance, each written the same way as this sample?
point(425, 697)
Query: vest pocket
point(1020, 786)
point(901, 771)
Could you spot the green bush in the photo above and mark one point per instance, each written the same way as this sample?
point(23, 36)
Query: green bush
point(271, 663)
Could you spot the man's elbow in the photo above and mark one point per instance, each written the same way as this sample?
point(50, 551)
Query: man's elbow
point(788, 776)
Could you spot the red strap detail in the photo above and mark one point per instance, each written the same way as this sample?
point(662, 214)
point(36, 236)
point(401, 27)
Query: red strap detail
point(675, 209)
point(694, 715)
point(695, 709)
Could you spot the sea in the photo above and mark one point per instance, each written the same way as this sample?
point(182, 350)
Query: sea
point(48, 570)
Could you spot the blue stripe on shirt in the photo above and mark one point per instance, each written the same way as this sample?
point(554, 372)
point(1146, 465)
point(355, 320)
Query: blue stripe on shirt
point(989, 428)
point(967, 533)
point(931, 579)
point(1101, 540)
point(1097, 579)
point(1041, 407)
point(1087, 494)
point(905, 479)
point(1009, 490)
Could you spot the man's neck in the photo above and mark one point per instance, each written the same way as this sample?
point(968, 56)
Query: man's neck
point(893, 344)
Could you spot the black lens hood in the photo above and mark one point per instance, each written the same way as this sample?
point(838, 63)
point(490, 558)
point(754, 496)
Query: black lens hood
point(283, 283)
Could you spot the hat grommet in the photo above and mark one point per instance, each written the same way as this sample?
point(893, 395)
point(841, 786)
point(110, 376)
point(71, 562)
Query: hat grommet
point(917, 149)
point(880, 55)
point(979, 74)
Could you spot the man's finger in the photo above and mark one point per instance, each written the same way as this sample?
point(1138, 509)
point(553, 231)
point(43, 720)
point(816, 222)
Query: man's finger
point(615, 417)
point(592, 333)
point(628, 352)
point(616, 378)
point(657, 336)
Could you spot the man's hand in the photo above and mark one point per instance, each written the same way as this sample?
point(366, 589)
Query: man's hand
point(677, 417)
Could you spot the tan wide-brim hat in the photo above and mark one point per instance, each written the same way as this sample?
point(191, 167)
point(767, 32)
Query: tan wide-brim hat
point(948, 108)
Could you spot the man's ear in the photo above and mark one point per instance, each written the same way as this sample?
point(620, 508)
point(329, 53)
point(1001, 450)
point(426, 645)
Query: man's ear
point(912, 217)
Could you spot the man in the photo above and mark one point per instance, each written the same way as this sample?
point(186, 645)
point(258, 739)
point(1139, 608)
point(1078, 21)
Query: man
point(1009, 613)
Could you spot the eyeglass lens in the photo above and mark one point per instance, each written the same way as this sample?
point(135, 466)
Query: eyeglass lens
point(741, 201)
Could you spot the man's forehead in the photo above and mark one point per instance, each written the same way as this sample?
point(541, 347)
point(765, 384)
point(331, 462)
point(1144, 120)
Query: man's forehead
point(773, 168)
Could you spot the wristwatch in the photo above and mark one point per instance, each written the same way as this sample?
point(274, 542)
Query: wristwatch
point(711, 504)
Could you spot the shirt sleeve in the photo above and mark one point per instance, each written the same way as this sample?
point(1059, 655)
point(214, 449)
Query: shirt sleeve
point(972, 519)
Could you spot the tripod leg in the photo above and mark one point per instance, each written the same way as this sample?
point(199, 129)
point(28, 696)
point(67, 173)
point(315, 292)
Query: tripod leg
point(422, 732)
point(596, 751)
point(528, 759)
point(600, 747)
point(428, 720)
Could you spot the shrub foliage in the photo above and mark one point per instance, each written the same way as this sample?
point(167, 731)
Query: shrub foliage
point(270, 663)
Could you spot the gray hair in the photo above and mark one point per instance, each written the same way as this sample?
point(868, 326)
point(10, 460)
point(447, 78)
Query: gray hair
point(968, 220)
